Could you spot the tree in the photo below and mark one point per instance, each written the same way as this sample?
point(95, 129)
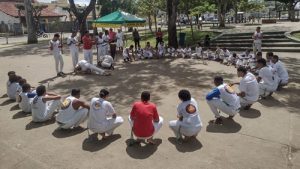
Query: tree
point(31, 25)
point(291, 4)
point(222, 9)
point(81, 15)
point(149, 8)
point(172, 18)
point(202, 8)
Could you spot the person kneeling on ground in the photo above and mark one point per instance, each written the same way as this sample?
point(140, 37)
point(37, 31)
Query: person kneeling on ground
point(144, 119)
point(248, 86)
point(189, 122)
point(103, 118)
point(84, 66)
point(268, 82)
point(44, 105)
point(222, 98)
point(25, 98)
point(73, 111)
point(106, 62)
point(279, 69)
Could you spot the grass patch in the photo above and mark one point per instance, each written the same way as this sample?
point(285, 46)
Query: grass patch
point(150, 37)
point(297, 35)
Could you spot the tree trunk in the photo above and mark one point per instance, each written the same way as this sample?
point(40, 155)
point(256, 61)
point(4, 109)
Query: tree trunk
point(150, 22)
point(95, 31)
point(222, 4)
point(31, 26)
point(172, 17)
point(235, 13)
point(155, 22)
point(191, 24)
point(291, 12)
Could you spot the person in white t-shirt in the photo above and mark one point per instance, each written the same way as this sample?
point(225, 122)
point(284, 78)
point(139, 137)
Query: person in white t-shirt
point(55, 46)
point(257, 40)
point(13, 86)
point(73, 111)
point(198, 52)
point(120, 40)
point(25, 98)
point(222, 98)
point(171, 51)
point(103, 118)
point(86, 67)
point(189, 122)
point(44, 105)
point(248, 87)
point(268, 82)
point(73, 44)
point(106, 61)
point(279, 69)
point(161, 49)
point(148, 51)
point(128, 54)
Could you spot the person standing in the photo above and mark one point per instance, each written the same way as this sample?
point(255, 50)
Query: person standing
point(105, 44)
point(55, 46)
point(73, 44)
point(136, 38)
point(111, 35)
point(257, 40)
point(120, 40)
point(159, 37)
point(87, 47)
point(189, 122)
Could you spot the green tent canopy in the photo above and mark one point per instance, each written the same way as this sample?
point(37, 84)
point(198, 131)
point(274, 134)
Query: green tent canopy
point(117, 19)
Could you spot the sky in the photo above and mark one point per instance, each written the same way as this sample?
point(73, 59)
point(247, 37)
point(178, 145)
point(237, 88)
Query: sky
point(76, 1)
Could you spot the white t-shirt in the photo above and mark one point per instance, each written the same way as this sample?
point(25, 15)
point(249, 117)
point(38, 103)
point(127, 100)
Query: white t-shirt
point(257, 37)
point(25, 103)
point(84, 65)
point(268, 77)
point(228, 96)
point(72, 42)
point(38, 109)
point(67, 111)
point(55, 46)
point(99, 111)
point(280, 70)
point(108, 59)
point(249, 85)
point(12, 90)
point(199, 50)
point(190, 119)
point(125, 52)
point(120, 36)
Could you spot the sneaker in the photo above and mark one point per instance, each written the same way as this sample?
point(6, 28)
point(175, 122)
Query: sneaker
point(58, 74)
point(247, 107)
point(217, 121)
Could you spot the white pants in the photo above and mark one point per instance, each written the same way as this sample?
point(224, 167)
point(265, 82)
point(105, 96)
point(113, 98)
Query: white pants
point(197, 55)
point(179, 129)
point(52, 106)
point(148, 54)
point(120, 43)
point(59, 62)
point(79, 117)
point(106, 64)
point(108, 127)
point(265, 89)
point(244, 102)
point(101, 52)
point(256, 47)
point(218, 104)
point(74, 53)
point(96, 69)
point(283, 82)
point(156, 126)
point(88, 55)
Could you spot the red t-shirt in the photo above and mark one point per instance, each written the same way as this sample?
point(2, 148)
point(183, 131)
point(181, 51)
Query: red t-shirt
point(87, 42)
point(143, 114)
point(159, 34)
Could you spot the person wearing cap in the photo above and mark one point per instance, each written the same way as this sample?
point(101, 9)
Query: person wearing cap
point(222, 98)
point(103, 118)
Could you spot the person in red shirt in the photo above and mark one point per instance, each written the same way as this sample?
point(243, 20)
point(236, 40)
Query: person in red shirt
point(159, 36)
point(144, 119)
point(87, 47)
point(111, 35)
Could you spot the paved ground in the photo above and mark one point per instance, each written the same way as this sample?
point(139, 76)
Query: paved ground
point(266, 137)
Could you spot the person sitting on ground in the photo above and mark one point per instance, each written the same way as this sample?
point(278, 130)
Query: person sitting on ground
point(198, 51)
point(139, 53)
point(73, 111)
point(103, 118)
point(86, 67)
point(224, 99)
point(248, 87)
point(232, 59)
point(218, 54)
point(189, 122)
point(227, 54)
point(128, 54)
point(144, 119)
point(161, 49)
point(179, 52)
point(269, 56)
point(279, 69)
point(187, 52)
point(208, 54)
point(25, 98)
point(13, 86)
point(171, 51)
point(107, 62)
point(268, 82)
point(44, 104)
point(148, 51)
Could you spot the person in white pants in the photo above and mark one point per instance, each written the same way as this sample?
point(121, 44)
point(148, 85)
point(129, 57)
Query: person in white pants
point(73, 43)
point(144, 119)
point(189, 122)
point(120, 40)
point(107, 61)
point(126, 54)
point(44, 105)
point(84, 66)
point(279, 69)
point(222, 98)
point(100, 47)
point(148, 51)
point(198, 51)
point(73, 111)
point(103, 118)
point(257, 40)
point(105, 45)
point(248, 87)
point(55, 46)
point(25, 98)
point(268, 81)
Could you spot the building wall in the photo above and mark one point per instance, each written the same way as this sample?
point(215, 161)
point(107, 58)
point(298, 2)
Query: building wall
point(8, 19)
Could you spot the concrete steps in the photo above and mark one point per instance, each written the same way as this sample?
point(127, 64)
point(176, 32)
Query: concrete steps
point(273, 42)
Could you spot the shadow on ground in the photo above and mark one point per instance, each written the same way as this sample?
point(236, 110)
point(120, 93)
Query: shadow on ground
point(64, 133)
point(251, 113)
point(33, 125)
point(15, 107)
point(192, 145)
point(20, 114)
point(93, 145)
point(229, 126)
point(7, 102)
point(141, 151)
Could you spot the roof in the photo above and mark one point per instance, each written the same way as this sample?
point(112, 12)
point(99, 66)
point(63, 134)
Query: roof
point(10, 9)
point(118, 18)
